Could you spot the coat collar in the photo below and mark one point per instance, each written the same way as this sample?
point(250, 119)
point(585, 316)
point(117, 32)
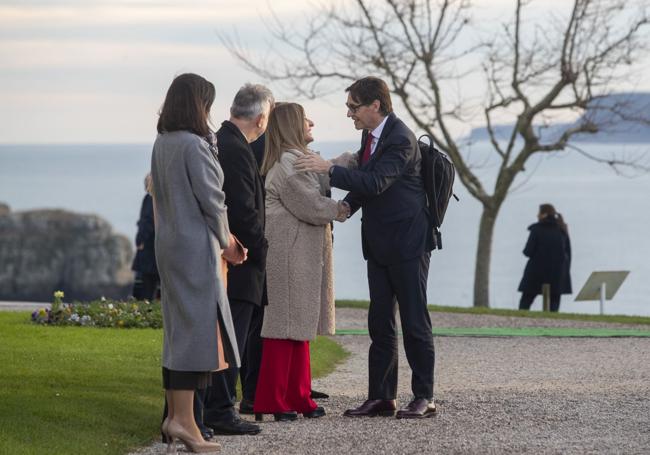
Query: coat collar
point(235, 130)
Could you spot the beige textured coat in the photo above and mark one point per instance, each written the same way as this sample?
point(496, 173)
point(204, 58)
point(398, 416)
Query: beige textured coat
point(299, 262)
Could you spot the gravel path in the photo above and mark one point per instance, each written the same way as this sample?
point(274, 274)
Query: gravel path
point(495, 396)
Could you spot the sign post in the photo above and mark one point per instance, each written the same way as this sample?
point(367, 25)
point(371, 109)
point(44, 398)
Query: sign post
point(602, 286)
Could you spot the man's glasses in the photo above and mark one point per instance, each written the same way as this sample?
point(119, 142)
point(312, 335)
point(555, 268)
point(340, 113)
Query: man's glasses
point(354, 107)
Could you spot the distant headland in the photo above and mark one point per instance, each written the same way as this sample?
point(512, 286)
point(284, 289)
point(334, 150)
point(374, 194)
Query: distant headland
point(622, 118)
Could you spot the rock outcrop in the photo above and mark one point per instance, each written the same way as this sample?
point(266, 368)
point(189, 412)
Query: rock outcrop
point(42, 251)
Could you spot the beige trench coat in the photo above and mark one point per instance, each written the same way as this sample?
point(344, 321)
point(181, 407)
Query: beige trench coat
point(299, 262)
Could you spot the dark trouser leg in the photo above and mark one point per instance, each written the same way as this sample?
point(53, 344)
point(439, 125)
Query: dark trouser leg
point(382, 358)
point(149, 285)
point(409, 280)
point(555, 302)
point(250, 368)
point(526, 301)
point(137, 286)
point(199, 398)
point(221, 396)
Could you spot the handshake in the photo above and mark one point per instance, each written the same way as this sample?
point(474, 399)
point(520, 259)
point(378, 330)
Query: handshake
point(344, 211)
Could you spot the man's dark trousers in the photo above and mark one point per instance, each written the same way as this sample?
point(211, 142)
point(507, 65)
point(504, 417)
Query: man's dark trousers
point(222, 394)
point(252, 357)
point(403, 284)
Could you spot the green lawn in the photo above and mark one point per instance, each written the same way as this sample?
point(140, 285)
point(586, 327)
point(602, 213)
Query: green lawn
point(516, 313)
point(77, 390)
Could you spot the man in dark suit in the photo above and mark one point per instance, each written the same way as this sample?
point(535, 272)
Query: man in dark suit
point(388, 187)
point(244, 191)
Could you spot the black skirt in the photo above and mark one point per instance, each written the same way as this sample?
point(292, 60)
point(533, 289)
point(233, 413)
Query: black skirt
point(185, 380)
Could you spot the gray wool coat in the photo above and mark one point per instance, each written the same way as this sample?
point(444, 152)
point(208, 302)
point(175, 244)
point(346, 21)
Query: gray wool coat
point(191, 230)
point(299, 262)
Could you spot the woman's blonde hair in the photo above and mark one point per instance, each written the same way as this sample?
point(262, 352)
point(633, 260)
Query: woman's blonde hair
point(286, 130)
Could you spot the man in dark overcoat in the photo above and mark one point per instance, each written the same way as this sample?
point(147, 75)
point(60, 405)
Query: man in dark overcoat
point(244, 190)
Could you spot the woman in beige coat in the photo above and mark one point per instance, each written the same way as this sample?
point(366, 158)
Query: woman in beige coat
point(299, 268)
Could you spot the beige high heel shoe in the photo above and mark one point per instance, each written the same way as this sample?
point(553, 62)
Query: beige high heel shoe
point(175, 431)
point(171, 447)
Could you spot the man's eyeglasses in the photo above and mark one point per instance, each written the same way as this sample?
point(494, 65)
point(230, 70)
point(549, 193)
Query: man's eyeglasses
point(354, 107)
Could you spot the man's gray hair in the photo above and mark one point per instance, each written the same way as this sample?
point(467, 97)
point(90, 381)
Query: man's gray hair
point(250, 101)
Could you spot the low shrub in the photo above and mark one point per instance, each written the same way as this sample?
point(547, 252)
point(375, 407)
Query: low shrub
point(100, 313)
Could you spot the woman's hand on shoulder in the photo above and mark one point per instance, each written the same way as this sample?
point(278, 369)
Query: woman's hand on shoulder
point(312, 162)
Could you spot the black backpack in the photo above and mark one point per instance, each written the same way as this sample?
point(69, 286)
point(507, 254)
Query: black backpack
point(438, 173)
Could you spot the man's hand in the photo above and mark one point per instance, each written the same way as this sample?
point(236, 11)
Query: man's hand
point(312, 163)
point(344, 211)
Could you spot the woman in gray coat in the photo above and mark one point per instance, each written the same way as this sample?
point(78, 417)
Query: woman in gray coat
point(191, 237)
point(299, 268)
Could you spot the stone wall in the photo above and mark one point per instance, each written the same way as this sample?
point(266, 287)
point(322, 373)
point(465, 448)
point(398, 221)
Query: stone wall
point(46, 250)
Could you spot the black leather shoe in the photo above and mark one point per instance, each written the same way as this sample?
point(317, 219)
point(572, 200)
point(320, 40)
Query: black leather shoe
point(278, 416)
point(372, 408)
point(318, 412)
point(246, 407)
point(234, 427)
point(316, 395)
point(419, 408)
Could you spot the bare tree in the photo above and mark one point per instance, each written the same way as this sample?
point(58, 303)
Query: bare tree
point(531, 68)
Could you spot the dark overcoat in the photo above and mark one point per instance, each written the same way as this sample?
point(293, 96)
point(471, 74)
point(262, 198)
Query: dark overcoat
point(145, 257)
point(549, 251)
point(245, 200)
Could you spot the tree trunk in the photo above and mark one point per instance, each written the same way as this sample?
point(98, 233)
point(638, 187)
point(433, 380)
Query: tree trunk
point(483, 257)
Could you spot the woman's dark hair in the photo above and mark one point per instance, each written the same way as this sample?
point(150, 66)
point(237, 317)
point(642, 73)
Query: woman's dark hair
point(549, 212)
point(187, 105)
point(366, 90)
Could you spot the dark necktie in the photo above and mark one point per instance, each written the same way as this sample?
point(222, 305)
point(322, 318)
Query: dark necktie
point(366, 150)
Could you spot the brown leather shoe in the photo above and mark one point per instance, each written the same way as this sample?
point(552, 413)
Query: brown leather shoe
point(419, 408)
point(373, 408)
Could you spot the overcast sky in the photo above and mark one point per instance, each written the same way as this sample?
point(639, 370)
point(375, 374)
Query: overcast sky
point(95, 71)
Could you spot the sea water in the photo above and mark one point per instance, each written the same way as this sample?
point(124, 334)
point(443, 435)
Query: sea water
point(608, 216)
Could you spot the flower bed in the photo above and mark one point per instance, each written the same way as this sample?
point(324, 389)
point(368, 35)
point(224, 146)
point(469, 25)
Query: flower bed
point(100, 313)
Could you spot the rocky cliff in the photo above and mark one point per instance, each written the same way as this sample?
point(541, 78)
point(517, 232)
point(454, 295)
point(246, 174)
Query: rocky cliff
point(46, 250)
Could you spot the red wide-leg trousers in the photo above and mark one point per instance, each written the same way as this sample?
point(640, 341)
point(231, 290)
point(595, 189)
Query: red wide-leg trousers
point(284, 382)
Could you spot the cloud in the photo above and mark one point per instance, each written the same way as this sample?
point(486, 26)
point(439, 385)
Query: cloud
point(102, 14)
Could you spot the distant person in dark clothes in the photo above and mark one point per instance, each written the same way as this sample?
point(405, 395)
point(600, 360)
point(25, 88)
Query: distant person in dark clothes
point(147, 280)
point(549, 252)
point(244, 190)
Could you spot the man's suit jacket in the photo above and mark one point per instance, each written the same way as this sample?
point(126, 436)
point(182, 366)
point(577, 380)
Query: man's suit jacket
point(245, 201)
point(390, 192)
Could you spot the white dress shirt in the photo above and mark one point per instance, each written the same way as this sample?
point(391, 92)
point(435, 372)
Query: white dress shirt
point(376, 134)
